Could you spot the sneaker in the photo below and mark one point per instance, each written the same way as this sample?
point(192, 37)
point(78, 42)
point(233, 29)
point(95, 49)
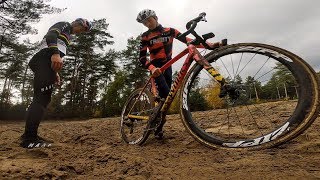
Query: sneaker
point(37, 142)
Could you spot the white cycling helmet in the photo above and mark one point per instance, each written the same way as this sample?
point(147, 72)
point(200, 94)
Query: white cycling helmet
point(144, 14)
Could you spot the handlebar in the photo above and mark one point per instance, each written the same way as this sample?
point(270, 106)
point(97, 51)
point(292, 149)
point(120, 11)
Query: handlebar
point(191, 25)
point(201, 17)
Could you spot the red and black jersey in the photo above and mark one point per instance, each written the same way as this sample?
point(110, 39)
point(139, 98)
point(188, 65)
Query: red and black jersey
point(159, 43)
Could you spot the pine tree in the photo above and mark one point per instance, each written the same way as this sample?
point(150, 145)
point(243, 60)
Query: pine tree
point(86, 71)
point(137, 75)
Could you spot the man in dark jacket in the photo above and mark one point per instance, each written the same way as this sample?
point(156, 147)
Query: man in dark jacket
point(46, 64)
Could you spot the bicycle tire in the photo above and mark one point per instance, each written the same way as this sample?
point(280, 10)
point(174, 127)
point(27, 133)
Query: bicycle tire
point(144, 134)
point(304, 114)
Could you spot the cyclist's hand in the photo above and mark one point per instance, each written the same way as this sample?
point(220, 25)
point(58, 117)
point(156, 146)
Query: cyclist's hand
point(58, 79)
point(155, 72)
point(56, 62)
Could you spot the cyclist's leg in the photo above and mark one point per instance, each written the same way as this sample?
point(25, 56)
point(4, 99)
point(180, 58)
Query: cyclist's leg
point(167, 74)
point(162, 86)
point(163, 82)
point(44, 78)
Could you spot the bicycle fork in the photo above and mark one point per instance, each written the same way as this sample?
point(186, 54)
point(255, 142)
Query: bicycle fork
point(206, 65)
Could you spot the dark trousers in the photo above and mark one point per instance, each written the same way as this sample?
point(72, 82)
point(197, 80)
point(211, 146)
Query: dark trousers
point(164, 81)
point(44, 78)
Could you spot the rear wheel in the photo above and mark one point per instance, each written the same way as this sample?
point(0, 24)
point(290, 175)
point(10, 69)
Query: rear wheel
point(272, 97)
point(135, 116)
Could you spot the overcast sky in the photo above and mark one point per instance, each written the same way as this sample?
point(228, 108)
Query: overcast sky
point(290, 24)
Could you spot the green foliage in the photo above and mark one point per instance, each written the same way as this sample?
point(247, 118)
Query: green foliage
point(281, 80)
point(16, 15)
point(132, 65)
point(211, 96)
point(14, 71)
point(128, 78)
point(197, 101)
point(115, 96)
point(87, 71)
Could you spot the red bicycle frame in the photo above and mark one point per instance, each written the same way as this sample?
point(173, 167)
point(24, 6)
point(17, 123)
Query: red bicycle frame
point(193, 54)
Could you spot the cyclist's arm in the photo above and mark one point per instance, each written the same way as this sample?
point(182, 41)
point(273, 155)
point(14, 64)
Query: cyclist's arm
point(51, 39)
point(176, 35)
point(143, 55)
point(54, 32)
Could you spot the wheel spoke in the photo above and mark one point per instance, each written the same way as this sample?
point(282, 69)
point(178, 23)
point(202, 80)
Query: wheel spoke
point(239, 64)
point(265, 74)
point(247, 63)
point(261, 67)
point(226, 68)
point(252, 110)
point(254, 120)
point(135, 118)
point(234, 76)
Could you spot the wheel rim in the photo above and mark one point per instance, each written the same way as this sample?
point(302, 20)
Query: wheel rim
point(245, 116)
point(132, 126)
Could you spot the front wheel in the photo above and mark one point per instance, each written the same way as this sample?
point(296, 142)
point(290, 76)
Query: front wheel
point(135, 116)
point(272, 97)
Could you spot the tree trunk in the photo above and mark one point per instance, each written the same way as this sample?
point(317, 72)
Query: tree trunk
point(295, 87)
point(28, 93)
point(4, 89)
point(8, 91)
point(2, 37)
point(73, 81)
point(255, 90)
point(278, 93)
point(23, 85)
point(285, 90)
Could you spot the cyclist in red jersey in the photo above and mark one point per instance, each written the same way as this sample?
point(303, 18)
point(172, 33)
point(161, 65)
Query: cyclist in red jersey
point(158, 40)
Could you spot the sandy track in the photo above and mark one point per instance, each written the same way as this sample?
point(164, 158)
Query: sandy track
point(92, 149)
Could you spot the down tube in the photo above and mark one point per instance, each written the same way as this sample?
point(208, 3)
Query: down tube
point(177, 83)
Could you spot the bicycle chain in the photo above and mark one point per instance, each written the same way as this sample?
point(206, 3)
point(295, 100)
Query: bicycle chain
point(153, 121)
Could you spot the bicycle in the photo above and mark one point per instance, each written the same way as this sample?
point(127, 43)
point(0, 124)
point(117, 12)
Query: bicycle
point(278, 100)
